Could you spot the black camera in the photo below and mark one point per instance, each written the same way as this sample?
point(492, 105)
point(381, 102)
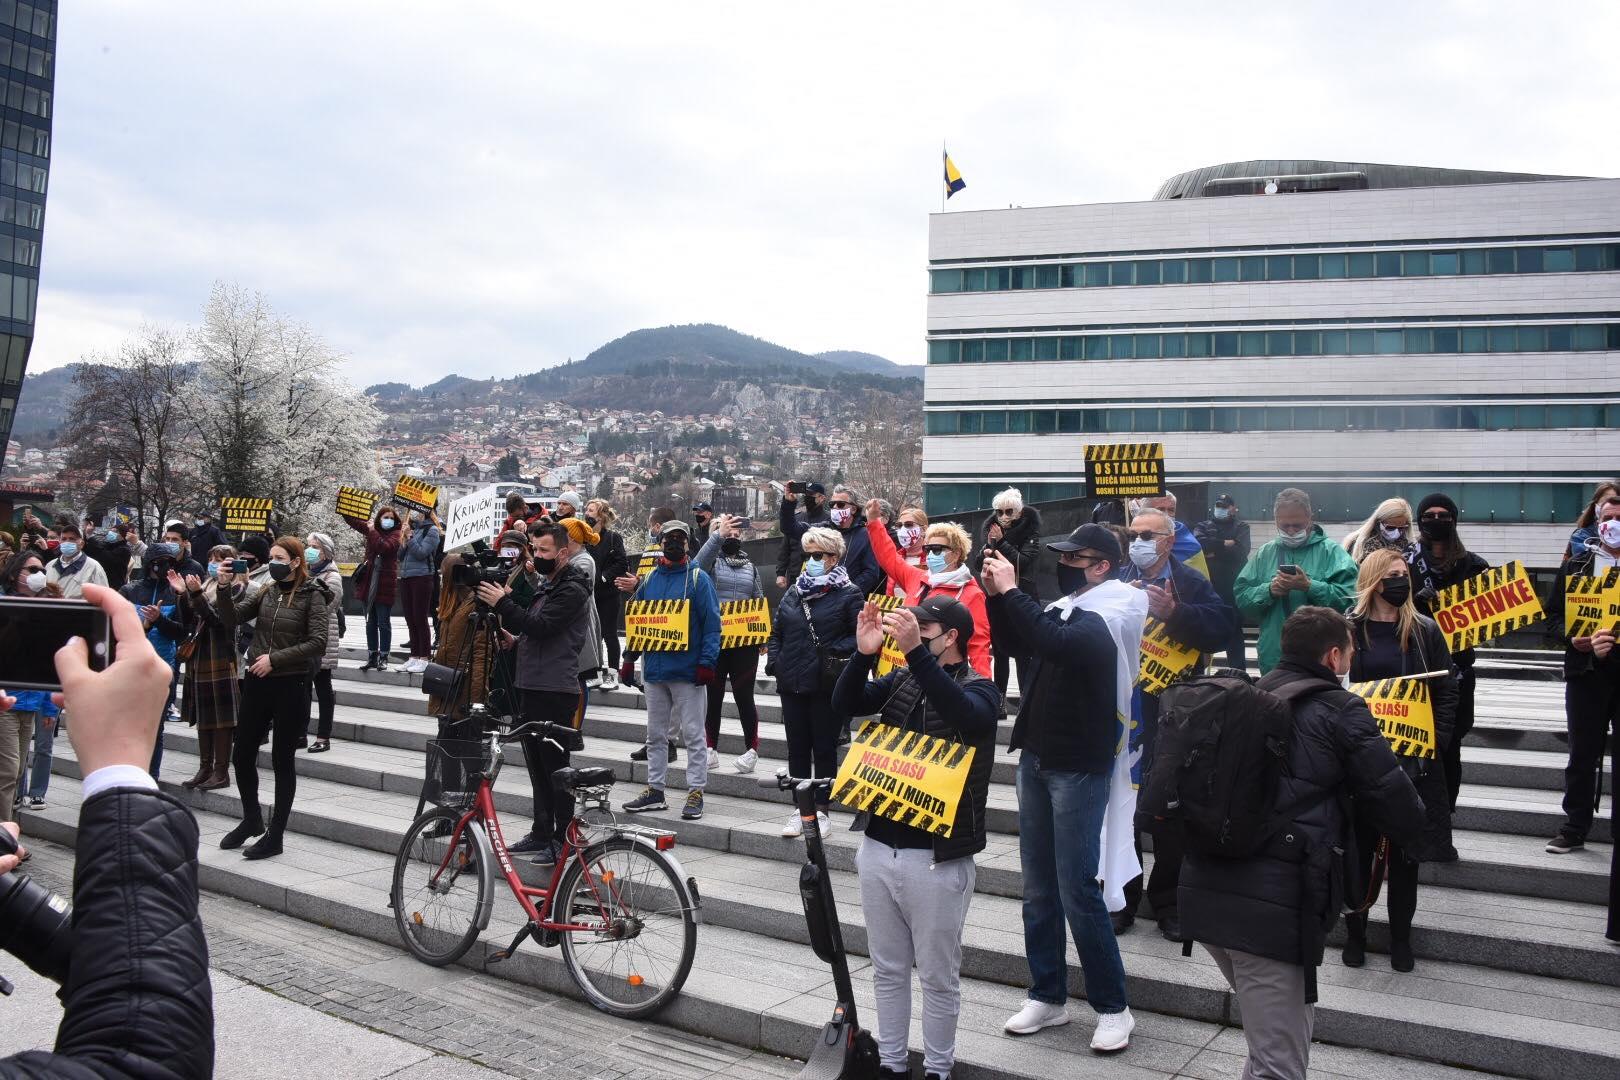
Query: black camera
point(35, 924)
point(477, 567)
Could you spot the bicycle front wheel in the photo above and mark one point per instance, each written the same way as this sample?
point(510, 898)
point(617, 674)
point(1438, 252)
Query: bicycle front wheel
point(438, 893)
point(642, 930)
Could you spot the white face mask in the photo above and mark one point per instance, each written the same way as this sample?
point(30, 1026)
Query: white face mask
point(1294, 540)
point(1391, 532)
point(1609, 533)
point(843, 515)
point(36, 582)
point(1144, 553)
point(909, 535)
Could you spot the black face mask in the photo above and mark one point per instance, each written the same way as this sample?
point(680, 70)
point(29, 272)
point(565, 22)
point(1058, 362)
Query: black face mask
point(731, 547)
point(1071, 578)
point(590, 519)
point(1396, 590)
point(280, 571)
point(675, 548)
point(545, 567)
point(1437, 531)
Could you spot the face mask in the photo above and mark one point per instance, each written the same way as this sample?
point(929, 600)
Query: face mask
point(1609, 533)
point(36, 581)
point(815, 567)
point(1391, 532)
point(213, 569)
point(69, 550)
point(280, 571)
point(387, 524)
point(842, 516)
point(937, 653)
point(909, 535)
point(312, 556)
point(936, 562)
point(161, 568)
point(1437, 530)
point(675, 548)
point(545, 567)
point(731, 547)
point(1344, 680)
point(590, 519)
point(199, 522)
point(1294, 540)
point(1396, 590)
point(110, 536)
point(1222, 513)
point(1071, 579)
point(1144, 553)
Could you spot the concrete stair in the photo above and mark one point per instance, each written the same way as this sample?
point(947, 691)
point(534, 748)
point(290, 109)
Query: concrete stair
point(1514, 974)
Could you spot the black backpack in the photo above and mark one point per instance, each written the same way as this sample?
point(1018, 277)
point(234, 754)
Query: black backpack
point(1219, 753)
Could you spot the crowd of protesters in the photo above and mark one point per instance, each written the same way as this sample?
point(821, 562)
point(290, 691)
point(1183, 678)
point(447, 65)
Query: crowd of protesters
point(250, 631)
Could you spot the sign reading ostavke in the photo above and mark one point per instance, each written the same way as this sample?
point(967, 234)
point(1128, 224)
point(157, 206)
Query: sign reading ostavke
point(904, 776)
point(1486, 606)
point(1404, 714)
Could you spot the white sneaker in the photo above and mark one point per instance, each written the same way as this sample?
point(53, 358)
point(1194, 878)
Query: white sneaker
point(417, 665)
point(824, 823)
point(746, 761)
point(714, 758)
point(610, 680)
point(1036, 1015)
point(794, 827)
point(1113, 1032)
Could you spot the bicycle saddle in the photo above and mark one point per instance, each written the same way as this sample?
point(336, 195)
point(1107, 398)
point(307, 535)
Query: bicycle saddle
point(583, 778)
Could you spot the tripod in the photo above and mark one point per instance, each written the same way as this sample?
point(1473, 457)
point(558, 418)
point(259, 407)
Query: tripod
point(450, 682)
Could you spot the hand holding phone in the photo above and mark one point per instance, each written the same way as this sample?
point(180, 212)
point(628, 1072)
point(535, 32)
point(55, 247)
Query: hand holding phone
point(33, 629)
point(797, 487)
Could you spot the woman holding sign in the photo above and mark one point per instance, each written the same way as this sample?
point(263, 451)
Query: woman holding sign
point(735, 578)
point(1392, 641)
point(945, 549)
point(376, 580)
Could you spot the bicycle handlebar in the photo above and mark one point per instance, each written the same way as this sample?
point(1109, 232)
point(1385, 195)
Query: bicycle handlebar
point(566, 737)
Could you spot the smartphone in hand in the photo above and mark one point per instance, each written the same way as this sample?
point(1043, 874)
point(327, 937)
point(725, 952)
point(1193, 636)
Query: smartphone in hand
point(33, 628)
point(1287, 568)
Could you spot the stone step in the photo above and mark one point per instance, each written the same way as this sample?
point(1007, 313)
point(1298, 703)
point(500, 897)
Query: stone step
point(757, 989)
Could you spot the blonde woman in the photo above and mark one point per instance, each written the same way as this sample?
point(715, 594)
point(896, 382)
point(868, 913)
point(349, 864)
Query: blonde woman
point(945, 550)
point(1390, 526)
point(912, 524)
point(1393, 640)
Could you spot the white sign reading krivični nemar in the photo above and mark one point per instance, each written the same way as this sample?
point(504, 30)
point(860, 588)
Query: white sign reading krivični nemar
point(473, 517)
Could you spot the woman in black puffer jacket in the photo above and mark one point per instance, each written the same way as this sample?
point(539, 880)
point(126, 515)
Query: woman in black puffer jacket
point(815, 619)
point(1015, 531)
point(1393, 640)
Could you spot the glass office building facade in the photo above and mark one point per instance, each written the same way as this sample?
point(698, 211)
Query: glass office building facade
point(28, 64)
point(1365, 331)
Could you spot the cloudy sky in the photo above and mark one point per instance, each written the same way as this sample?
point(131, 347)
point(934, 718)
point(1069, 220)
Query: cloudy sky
point(495, 187)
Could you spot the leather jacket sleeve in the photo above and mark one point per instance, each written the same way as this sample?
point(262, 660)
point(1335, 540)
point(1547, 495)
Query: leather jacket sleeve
point(137, 1002)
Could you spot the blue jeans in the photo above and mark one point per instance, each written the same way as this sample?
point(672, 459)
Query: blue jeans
point(38, 774)
point(1059, 838)
point(380, 628)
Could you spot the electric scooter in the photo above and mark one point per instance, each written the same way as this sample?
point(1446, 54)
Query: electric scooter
point(844, 1050)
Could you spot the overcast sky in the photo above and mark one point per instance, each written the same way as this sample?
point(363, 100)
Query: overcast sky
point(495, 187)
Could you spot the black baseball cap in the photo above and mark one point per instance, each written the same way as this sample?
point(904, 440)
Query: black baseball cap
point(814, 488)
point(703, 506)
point(1225, 500)
point(1090, 537)
point(949, 612)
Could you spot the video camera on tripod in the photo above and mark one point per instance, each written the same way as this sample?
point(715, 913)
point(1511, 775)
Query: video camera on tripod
point(492, 566)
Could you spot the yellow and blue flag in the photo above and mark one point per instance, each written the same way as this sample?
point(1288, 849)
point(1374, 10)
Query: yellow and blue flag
point(953, 179)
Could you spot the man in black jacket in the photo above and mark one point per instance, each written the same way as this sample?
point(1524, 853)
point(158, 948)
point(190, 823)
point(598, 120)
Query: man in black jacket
point(793, 519)
point(137, 1002)
point(1225, 540)
point(915, 885)
point(204, 536)
point(1068, 730)
point(1264, 919)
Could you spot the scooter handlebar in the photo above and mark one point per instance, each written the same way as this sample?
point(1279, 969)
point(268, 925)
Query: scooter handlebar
point(783, 782)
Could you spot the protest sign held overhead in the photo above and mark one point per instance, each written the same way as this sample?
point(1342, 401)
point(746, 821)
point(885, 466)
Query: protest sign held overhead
point(890, 656)
point(246, 515)
point(1125, 470)
point(1164, 659)
point(417, 494)
point(1590, 604)
point(744, 622)
point(1486, 606)
point(478, 516)
point(1404, 715)
point(355, 503)
point(904, 776)
point(658, 625)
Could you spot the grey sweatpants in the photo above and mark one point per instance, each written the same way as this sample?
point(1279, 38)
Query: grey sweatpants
point(679, 708)
point(915, 909)
point(1276, 1021)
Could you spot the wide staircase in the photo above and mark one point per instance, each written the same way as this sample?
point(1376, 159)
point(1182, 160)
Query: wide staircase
point(1514, 975)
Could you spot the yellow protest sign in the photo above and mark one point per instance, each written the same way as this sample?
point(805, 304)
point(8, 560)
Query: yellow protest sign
point(420, 494)
point(1590, 603)
point(649, 561)
point(904, 776)
point(246, 515)
point(890, 656)
point(1125, 470)
point(1486, 606)
point(1404, 715)
point(352, 502)
point(658, 625)
point(1164, 659)
point(744, 622)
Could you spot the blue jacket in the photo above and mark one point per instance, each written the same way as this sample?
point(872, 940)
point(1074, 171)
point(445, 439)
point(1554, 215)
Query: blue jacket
point(684, 582)
point(416, 557)
point(38, 701)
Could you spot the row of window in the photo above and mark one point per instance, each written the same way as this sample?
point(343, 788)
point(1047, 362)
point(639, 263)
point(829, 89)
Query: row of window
point(1218, 269)
point(38, 21)
point(1066, 421)
point(13, 211)
point(19, 250)
point(1394, 342)
point(14, 173)
point(1334, 502)
point(15, 54)
point(13, 358)
point(28, 140)
point(17, 297)
point(30, 99)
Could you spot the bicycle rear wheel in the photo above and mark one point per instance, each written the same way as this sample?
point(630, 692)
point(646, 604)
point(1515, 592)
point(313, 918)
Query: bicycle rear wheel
point(638, 952)
point(437, 912)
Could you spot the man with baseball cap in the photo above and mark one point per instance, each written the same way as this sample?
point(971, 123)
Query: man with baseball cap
point(702, 520)
point(1068, 729)
point(916, 885)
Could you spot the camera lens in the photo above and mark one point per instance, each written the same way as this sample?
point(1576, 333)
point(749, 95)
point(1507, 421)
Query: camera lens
point(34, 926)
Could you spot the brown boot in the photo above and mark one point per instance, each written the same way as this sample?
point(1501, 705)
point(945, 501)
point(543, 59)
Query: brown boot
point(205, 759)
point(221, 775)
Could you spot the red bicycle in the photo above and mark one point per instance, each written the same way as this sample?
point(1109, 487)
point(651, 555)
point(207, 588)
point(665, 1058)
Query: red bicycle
point(618, 903)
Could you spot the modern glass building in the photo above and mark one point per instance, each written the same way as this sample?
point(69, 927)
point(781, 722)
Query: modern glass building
point(1357, 330)
point(28, 64)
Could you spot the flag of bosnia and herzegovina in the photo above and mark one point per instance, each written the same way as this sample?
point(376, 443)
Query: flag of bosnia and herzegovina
point(953, 179)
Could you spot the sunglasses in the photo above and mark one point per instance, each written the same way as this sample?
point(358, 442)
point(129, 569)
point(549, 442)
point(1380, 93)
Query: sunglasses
point(1442, 516)
point(935, 549)
point(841, 504)
point(1146, 534)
